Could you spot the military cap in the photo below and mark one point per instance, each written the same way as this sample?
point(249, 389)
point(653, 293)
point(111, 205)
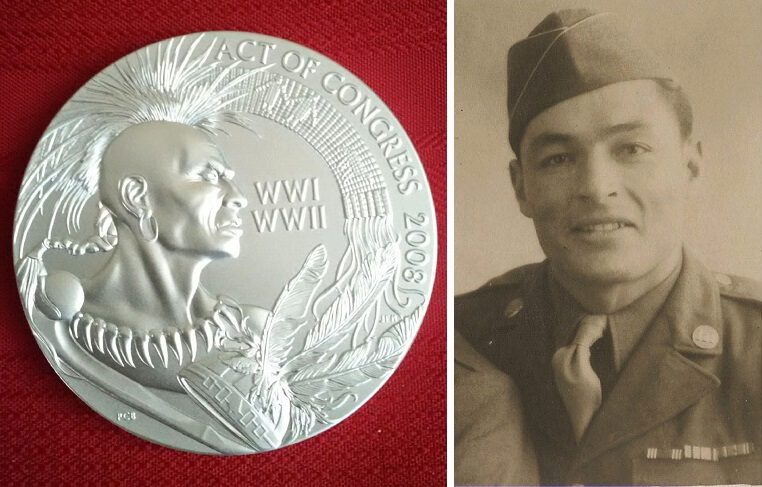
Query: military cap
point(569, 53)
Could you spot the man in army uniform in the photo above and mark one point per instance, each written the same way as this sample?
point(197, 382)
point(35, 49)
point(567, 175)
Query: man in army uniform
point(634, 364)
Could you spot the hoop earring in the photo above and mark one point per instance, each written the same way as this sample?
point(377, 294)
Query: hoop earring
point(148, 227)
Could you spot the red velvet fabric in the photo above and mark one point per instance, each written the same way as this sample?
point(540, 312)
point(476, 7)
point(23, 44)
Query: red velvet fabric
point(47, 51)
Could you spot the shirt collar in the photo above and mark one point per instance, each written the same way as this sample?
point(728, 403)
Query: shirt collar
point(627, 325)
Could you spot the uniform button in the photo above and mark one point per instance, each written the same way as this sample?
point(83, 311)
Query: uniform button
point(705, 336)
point(724, 279)
point(514, 307)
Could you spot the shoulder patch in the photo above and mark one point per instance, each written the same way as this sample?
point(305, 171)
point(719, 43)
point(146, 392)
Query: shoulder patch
point(739, 287)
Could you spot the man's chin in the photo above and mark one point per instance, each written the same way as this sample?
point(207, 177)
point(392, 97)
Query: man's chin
point(227, 250)
point(229, 241)
point(600, 268)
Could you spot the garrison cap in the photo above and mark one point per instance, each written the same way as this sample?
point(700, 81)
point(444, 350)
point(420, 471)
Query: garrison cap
point(569, 53)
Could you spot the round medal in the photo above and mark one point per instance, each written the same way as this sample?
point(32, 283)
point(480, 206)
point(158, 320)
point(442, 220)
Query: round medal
point(224, 243)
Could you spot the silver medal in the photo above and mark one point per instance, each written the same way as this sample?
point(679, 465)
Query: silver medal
point(224, 243)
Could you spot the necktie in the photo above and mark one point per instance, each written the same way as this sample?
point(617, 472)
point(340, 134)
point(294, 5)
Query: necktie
point(576, 380)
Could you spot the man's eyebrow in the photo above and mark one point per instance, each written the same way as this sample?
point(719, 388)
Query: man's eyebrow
point(224, 171)
point(548, 138)
point(623, 127)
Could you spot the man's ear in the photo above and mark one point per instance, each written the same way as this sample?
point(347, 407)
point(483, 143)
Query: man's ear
point(694, 158)
point(517, 180)
point(133, 195)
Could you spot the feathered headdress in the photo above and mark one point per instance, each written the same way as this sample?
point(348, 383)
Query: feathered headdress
point(164, 82)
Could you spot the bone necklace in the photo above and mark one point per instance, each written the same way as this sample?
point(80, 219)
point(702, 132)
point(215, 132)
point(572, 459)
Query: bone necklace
point(153, 347)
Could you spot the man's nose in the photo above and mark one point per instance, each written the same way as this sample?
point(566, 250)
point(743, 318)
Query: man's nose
point(598, 177)
point(233, 197)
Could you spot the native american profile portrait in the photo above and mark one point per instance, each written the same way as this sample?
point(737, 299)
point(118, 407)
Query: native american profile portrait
point(139, 146)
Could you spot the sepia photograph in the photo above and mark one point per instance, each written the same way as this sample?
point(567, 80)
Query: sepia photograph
point(608, 242)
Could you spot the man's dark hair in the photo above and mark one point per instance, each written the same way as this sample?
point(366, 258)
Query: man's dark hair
point(677, 98)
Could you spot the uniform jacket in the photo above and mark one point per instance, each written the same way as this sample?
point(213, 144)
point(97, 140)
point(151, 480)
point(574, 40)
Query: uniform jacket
point(491, 442)
point(686, 407)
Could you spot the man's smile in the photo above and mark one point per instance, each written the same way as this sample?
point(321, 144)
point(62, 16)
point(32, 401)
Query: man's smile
point(602, 225)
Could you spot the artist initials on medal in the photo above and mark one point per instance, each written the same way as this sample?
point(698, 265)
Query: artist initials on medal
point(297, 214)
